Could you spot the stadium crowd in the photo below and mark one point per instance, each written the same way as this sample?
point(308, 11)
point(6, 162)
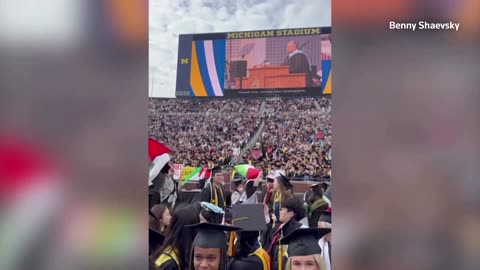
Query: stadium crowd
point(296, 137)
point(206, 106)
point(293, 105)
point(198, 142)
point(179, 106)
point(248, 225)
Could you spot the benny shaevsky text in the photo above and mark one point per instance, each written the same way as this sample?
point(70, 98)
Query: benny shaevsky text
point(424, 25)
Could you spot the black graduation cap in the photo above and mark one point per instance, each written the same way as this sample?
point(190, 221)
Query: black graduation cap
point(211, 235)
point(249, 217)
point(325, 184)
point(316, 187)
point(216, 170)
point(315, 184)
point(155, 237)
point(304, 241)
point(285, 181)
point(326, 216)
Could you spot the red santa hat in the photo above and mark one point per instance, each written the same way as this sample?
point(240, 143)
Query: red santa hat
point(159, 157)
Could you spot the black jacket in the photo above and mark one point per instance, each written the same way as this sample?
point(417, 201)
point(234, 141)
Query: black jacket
point(298, 63)
point(282, 231)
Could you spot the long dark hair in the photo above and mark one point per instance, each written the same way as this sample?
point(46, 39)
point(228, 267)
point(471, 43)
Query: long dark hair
point(157, 210)
point(177, 236)
point(285, 191)
point(247, 242)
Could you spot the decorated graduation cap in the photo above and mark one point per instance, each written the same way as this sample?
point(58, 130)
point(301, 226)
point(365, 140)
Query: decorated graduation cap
point(326, 216)
point(212, 213)
point(304, 241)
point(249, 217)
point(211, 235)
point(212, 208)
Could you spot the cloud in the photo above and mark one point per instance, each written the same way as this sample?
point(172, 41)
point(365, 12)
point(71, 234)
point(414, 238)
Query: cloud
point(168, 19)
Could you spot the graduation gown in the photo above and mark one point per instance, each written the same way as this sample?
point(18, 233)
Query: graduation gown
point(168, 260)
point(250, 263)
point(258, 259)
point(266, 236)
point(274, 248)
point(317, 208)
point(170, 265)
point(214, 194)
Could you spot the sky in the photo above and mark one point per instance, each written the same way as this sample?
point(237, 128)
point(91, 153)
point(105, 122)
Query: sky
point(168, 19)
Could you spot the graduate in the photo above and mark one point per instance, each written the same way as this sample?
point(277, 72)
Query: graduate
point(247, 252)
point(245, 191)
point(303, 249)
point(175, 252)
point(209, 250)
point(267, 190)
point(155, 240)
point(155, 237)
point(291, 213)
point(281, 189)
point(160, 217)
point(214, 192)
point(317, 205)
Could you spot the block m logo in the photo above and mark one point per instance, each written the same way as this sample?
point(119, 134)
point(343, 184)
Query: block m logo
point(184, 61)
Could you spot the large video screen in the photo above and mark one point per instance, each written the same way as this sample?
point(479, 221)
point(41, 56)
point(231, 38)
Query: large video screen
point(278, 62)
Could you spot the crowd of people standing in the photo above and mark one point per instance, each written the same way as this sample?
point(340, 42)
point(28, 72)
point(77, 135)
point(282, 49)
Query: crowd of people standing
point(261, 222)
point(296, 137)
point(265, 227)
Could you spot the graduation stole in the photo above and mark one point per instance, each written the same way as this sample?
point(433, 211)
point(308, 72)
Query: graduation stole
point(276, 237)
point(214, 196)
point(231, 243)
point(282, 252)
point(264, 257)
point(167, 255)
point(317, 204)
point(277, 202)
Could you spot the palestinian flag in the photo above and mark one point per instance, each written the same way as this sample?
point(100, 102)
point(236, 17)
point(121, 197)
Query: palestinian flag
point(197, 174)
point(247, 171)
point(159, 156)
